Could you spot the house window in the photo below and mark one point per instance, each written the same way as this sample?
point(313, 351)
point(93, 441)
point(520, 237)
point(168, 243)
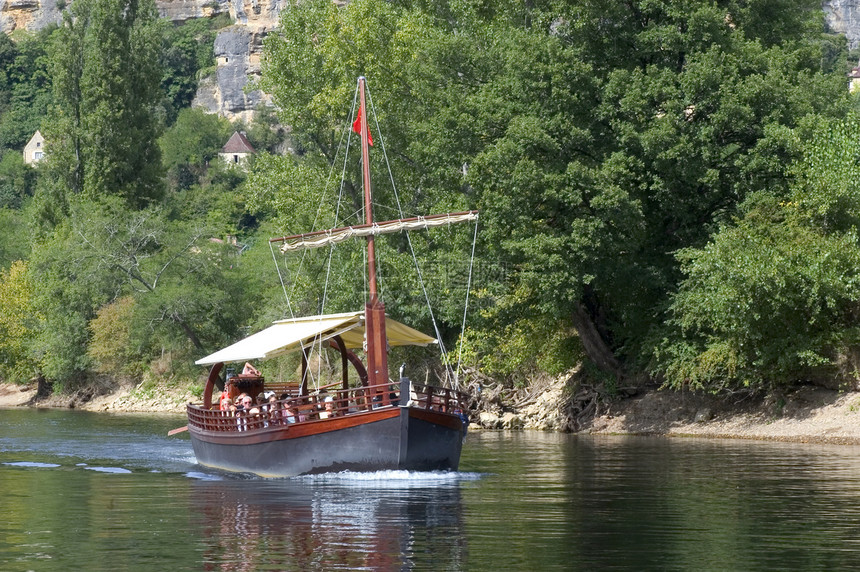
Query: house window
point(235, 158)
point(37, 156)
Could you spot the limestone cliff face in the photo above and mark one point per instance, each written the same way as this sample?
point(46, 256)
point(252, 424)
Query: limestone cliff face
point(36, 14)
point(237, 52)
point(28, 14)
point(843, 16)
point(237, 48)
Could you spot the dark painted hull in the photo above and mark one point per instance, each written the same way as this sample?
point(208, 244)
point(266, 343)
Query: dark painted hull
point(407, 438)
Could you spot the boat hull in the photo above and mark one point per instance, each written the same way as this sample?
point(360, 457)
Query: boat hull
point(407, 438)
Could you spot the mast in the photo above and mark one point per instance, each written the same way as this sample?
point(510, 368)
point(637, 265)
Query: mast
point(377, 341)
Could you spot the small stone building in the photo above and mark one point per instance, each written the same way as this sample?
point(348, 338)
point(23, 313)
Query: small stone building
point(237, 150)
point(34, 151)
point(854, 79)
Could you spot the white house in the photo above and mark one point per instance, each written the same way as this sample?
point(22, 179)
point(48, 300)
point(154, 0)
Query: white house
point(237, 150)
point(34, 151)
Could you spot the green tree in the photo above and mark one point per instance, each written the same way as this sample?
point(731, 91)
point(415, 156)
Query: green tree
point(111, 348)
point(14, 237)
point(18, 324)
point(17, 180)
point(29, 88)
point(186, 53)
point(773, 298)
point(102, 132)
point(185, 287)
point(190, 143)
point(596, 139)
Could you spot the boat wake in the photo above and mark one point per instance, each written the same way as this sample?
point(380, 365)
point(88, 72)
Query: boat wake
point(390, 478)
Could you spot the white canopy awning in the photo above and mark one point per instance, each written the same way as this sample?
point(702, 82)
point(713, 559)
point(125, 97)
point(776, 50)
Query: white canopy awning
point(285, 336)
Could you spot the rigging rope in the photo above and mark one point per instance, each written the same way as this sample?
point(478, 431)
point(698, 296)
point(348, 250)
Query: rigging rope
point(451, 374)
point(466, 305)
point(448, 368)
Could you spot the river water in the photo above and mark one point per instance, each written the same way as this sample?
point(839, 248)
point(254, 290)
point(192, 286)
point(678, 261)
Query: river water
point(84, 491)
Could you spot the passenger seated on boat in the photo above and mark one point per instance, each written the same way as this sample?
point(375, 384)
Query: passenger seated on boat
point(289, 413)
point(255, 419)
point(251, 370)
point(244, 402)
point(273, 409)
point(328, 403)
point(227, 404)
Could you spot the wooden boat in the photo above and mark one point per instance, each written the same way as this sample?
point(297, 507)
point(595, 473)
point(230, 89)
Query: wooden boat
point(377, 425)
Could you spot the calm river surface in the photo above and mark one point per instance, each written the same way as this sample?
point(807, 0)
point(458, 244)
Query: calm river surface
point(83, 491)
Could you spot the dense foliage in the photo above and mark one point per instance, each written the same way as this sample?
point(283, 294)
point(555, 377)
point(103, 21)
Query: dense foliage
point(597, 140)
point(665, 188)
point(774, 296)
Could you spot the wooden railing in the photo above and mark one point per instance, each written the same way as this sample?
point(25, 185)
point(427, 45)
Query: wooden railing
point(309, 408)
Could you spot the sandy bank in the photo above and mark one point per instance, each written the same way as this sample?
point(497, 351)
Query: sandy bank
point(809, 414)
point(122, 400)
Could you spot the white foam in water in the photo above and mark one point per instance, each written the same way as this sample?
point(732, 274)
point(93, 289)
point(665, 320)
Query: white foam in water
point(117, 470)
point(33, 465)
point(203, 476)
point(395, 479)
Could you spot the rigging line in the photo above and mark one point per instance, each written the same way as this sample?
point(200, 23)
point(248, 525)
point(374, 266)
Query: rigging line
point(308, 373)
point(449, 370)
point(466, 305)
point(347, 134)
point(336, 215)
point(281, 278)
point(318, 340)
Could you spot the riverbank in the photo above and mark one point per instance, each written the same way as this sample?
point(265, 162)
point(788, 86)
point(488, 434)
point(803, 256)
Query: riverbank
point(129, 399)
point(806, 414)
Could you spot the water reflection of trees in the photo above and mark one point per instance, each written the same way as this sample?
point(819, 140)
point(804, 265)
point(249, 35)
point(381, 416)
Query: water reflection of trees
point(288, 525)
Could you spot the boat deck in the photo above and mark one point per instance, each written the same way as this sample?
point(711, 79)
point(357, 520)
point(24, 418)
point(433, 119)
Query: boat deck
point(298, 410)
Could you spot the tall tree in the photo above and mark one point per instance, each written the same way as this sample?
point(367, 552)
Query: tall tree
point(103, 128)
point(773, 297)
point(597, 138)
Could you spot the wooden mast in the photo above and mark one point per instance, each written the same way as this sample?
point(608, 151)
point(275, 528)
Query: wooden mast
point(377, 341)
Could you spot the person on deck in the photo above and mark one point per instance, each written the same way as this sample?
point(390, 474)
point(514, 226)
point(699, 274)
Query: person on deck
point(251, 370)
point(328, 413)
point(289, 413)
point(244, 402)
point(274, 411)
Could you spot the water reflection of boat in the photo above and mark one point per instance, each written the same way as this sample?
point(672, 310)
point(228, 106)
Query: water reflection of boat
point(375, 426)
point(287, 525)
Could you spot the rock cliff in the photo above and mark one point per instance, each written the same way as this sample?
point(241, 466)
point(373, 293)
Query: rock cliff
point(238, 47)
point(237, 53)
point(843, 17)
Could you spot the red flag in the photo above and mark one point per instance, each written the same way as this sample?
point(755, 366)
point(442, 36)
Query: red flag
point(356, 126)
